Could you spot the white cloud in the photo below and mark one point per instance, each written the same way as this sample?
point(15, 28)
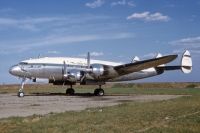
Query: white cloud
point(24, 45)
point(147, 16)
point(28, 27)
point(190, 41)
point(28, 23)
point(53, 52)
point(130, 3)
point(149, 55)
point(178, 51)
point(29, 20)
point(123, 3)
point(48, 23)
point(96, 53)
point(95, 4)
point(196, 52)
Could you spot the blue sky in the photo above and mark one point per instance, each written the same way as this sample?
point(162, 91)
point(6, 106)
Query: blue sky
point(115, 30)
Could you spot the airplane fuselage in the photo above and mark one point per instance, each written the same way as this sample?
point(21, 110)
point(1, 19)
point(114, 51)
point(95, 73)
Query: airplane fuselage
point(52, 68)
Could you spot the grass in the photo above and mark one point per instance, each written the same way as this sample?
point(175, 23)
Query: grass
point(153, 91)
point(131, 88)
point(171, 116)
point(178, 115)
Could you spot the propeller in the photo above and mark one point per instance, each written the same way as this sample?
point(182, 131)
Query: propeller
point(64, 69)
point(84, 73)
point(88, 60)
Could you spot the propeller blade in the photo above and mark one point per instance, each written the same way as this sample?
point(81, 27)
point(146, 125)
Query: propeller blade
point(64, 68)
point(88, 60)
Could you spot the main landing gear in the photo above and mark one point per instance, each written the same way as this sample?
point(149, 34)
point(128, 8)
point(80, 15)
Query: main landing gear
point(99, 91)
point(20, 92)
point(70, 91)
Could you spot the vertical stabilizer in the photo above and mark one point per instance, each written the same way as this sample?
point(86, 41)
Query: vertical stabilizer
point(158, 55)
point(186, 62)
point(135, 59)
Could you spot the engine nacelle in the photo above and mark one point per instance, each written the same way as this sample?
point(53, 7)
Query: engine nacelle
point(73, 76)
point(97, 70)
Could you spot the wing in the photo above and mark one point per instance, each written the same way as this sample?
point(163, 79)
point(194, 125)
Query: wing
point(140, 65)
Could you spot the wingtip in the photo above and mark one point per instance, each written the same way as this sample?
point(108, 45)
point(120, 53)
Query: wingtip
point(174, 56)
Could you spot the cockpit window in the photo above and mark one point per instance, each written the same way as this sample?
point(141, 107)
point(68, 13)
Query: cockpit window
point(23, 63)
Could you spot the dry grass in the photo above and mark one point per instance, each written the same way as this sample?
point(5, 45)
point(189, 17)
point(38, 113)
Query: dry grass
point(180, 115)
point(121, 88)
point(172, 116)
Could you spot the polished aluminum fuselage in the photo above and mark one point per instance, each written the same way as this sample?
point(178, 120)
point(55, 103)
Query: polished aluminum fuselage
point(52, 69)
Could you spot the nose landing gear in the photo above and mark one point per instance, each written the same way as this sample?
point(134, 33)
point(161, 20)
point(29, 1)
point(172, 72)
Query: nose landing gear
point(20, 92)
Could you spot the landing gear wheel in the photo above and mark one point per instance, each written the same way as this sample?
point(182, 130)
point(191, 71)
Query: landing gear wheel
point(98, 92)
point(20, 94)
point(70, 91)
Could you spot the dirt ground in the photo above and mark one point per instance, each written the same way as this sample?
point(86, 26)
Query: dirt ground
point(11, 105)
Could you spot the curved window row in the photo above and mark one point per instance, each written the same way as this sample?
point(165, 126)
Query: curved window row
point(40, 65)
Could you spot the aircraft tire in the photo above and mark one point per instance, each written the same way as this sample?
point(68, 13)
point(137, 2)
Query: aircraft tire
point(70, 91)
point(98, 92)
point(20, 94)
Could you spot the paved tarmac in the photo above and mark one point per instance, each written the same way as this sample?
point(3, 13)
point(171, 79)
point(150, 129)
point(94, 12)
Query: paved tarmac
point(11, 105)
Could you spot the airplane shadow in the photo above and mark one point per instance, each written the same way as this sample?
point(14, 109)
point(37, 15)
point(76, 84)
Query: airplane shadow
point(60, 94)
point(76, 94)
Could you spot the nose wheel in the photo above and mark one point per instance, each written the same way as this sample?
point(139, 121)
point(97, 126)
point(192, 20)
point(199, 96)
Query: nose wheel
point(99, 91)
point(20, 92)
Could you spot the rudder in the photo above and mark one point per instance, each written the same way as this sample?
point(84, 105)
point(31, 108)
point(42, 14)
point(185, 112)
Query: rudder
point(186, 62)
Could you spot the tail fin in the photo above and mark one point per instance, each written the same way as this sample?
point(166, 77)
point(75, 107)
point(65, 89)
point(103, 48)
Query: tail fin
point(185, 67)
point(186, 62)
point(135, 59)
point(158, 55)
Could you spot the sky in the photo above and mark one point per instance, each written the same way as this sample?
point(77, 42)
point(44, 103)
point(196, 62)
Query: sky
point(113, 30)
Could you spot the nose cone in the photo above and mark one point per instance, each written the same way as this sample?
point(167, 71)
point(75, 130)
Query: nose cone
point(15, 70)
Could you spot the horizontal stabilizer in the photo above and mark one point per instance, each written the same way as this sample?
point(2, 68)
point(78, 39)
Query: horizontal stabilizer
point(185, 67)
